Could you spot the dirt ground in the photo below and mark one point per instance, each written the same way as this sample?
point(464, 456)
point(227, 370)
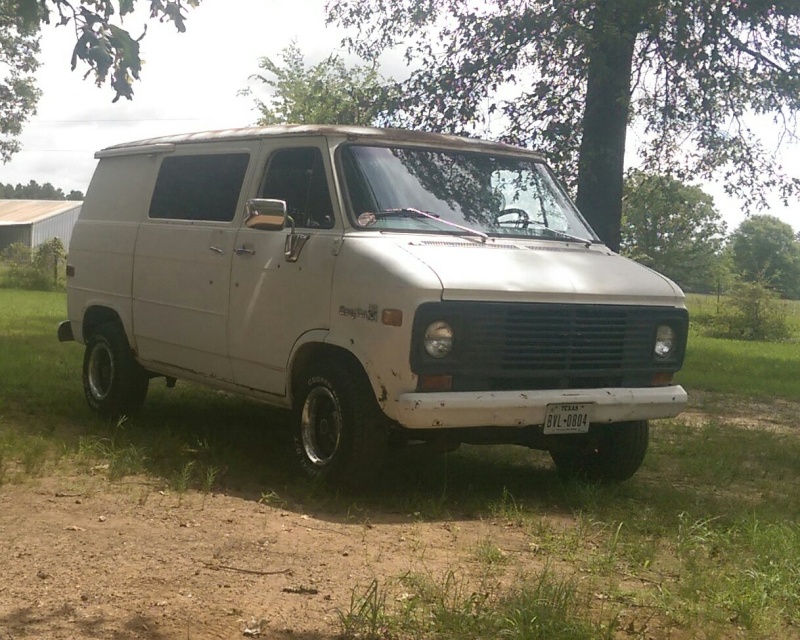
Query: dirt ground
point(83, 557)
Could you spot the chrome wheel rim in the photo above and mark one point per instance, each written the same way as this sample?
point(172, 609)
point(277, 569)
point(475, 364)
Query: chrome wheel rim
point(321, 426)
point(100, 372)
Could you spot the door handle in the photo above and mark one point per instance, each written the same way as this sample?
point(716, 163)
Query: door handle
point(215, 249)
point(244, 250)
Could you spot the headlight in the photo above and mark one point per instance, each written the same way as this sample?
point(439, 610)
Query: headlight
point(665, 341)
point(438, 339)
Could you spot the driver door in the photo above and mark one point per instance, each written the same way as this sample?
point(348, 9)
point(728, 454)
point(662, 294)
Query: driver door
point(276, 298)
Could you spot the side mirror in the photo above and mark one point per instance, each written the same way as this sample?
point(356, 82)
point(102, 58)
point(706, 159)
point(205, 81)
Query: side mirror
point(268, 215)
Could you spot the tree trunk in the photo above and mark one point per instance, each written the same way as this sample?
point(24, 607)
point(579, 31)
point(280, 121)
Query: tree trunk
point(601, 160)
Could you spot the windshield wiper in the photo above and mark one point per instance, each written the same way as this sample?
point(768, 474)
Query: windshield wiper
point(562, 235)
point(411, 212)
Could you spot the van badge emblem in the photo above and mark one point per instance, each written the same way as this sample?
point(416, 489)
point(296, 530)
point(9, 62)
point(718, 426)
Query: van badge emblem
point(370, 313)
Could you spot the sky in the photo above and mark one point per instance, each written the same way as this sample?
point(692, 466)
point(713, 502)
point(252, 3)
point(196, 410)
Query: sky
point(190, 82)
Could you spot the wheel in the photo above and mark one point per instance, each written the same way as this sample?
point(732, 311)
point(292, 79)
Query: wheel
point(612, 453)
point(341, 434)
point(114, 383)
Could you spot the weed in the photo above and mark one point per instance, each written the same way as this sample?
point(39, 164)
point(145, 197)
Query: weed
point(366, 617)
point(209, 478)
point(540, 607)
point(448, 607)
point(121, 458)
point(609, 551)
point(272, 499)
point(182, 480)
point(549, 608)
point(507, 509)
point(489, 553)
point(34, 455)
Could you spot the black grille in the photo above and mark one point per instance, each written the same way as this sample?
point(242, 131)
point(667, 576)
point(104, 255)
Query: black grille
point(548, 346)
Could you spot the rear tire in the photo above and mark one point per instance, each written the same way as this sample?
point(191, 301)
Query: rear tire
point(612, 453)
point(113, 382)
point(340, 434)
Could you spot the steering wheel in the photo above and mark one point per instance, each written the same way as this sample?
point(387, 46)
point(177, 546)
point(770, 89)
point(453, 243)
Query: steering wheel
point(521, 222)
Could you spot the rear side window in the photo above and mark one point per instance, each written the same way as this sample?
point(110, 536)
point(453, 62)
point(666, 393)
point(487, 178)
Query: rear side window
point(199, 187)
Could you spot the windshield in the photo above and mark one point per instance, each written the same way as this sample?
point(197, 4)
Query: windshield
point(458, 192)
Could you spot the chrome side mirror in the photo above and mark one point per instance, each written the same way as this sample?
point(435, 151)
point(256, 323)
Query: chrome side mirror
point(265, 214)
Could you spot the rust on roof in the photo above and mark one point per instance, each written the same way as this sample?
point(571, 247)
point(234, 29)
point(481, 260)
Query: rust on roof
point(363, 134)
point(13, 212)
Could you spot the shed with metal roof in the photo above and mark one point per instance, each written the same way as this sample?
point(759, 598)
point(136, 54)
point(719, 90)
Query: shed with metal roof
point(32, 222)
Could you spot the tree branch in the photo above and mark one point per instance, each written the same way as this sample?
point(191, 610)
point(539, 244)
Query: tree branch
point(756, 54)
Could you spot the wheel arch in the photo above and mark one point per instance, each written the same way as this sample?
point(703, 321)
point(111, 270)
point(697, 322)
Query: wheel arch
point(312, 352)
point(96, 316)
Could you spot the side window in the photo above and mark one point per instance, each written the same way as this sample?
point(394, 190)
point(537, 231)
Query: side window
point(297, 176)
point(199, 187)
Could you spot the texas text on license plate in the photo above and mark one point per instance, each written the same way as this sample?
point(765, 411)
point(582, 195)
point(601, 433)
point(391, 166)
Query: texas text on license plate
point(567, 418)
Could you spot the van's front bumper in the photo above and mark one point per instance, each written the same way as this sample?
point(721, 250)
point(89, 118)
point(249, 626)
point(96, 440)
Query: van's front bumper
point(524, 408)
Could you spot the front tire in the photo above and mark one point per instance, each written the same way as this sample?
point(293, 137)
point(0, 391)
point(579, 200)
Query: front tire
point(340, 432)
point(113, 382)
point(611, 453)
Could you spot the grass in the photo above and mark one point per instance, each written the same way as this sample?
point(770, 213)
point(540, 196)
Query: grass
point(542, 607)
point(755, 369)
point(703, 542)
point(750, 369)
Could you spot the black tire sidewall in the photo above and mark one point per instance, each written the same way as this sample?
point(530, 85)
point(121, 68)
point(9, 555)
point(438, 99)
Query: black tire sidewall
point(363, 438)
point(128, 385)
point(310, 469)
point(617, 453)
point(104, 406)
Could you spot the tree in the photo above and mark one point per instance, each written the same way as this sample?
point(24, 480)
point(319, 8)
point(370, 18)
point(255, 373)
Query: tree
point(326, 93)
point(753, 311)
point(101, 44)
point(19, 46)
point(673, 228)
point(764, 249)
point(35, 191)
point(567, 77)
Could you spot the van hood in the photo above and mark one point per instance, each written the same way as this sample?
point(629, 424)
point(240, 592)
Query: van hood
point(540, 271)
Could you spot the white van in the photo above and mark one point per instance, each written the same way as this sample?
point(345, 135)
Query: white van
point(387, 286)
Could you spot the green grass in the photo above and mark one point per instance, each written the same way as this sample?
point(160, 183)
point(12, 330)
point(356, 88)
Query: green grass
point(703, 542)
point(541, 607)
point(743, 368)
point(746, 369)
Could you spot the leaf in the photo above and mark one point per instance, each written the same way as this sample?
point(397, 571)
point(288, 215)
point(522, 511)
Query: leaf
point(127, 50)
point(696, 70)
point(28, 10)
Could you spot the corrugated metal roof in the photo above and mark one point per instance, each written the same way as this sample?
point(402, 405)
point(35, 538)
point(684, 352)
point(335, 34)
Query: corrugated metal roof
point(30, 211)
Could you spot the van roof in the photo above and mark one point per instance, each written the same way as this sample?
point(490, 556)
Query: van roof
point(165, 144)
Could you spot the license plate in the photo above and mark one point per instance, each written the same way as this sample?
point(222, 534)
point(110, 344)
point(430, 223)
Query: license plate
point(567, 418)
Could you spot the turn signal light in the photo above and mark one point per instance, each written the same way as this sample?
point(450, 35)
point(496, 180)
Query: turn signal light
point(435, 383)
point(392, 317)
point(662, 379)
